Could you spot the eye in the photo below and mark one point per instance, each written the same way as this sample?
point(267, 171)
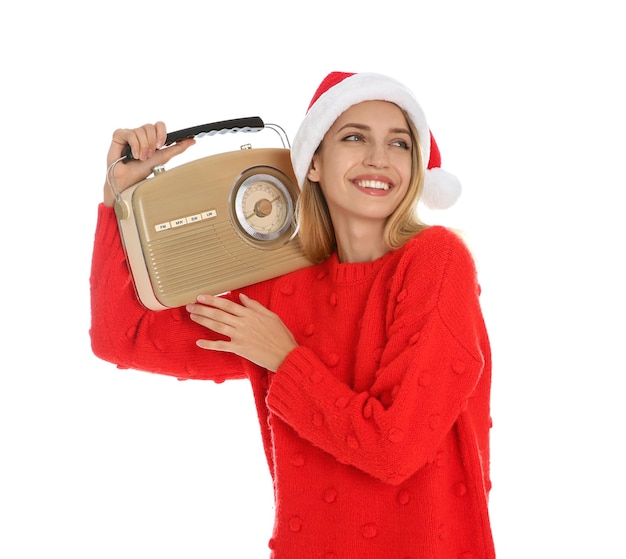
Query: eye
point(402, 144)
point(353, 137)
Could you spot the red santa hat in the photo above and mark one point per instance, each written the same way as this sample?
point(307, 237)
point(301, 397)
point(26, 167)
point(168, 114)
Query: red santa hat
point(338, 92)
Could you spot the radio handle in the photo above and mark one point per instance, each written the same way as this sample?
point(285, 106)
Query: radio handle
point(249, 124)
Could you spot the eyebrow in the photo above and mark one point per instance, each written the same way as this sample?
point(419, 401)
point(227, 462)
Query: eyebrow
point(365, 127)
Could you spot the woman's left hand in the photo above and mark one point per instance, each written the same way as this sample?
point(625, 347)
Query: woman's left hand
point(253, 331)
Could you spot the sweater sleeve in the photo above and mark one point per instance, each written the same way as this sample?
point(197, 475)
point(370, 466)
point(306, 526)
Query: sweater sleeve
point(433, 358)
point(127, 334)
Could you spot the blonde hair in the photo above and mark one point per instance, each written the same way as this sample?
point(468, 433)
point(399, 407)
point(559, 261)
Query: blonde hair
point(317, 234)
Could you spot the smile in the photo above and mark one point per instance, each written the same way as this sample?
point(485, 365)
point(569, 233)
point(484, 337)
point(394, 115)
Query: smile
point(374, 185)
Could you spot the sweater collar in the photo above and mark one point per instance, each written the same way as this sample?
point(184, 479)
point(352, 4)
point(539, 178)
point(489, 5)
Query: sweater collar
point(352, 272)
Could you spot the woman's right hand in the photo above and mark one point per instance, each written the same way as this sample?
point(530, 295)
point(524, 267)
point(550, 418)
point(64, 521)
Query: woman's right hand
point(145, 143)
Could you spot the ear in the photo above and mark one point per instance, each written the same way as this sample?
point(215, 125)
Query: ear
point(313, 173)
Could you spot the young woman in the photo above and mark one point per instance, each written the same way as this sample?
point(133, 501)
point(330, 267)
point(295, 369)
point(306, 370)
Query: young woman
point(370, 369)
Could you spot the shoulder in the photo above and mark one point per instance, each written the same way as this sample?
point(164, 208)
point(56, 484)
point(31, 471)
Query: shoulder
point(436, 268)
point(437, 248)
point(436, 237)
point(440, 272)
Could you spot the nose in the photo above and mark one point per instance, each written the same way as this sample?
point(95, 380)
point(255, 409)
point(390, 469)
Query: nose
point(376, 155)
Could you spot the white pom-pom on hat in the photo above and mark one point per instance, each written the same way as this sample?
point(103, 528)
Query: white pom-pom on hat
point(441, 189)
point(337, 93)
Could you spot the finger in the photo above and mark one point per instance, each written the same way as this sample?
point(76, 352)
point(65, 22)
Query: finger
point(161, 134)
point(123, 138)
point(216, 345)
point(144, 142)
point(214, 319)
point(218, 326)
point(251, 303)
point(221, 303)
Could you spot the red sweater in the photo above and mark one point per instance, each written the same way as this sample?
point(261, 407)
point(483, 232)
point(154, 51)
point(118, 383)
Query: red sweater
point(376, 428)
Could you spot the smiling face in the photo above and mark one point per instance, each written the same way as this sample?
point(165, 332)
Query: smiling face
point(363, 165)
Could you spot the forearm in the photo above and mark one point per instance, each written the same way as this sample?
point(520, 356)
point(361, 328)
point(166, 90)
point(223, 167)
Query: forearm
point(389, 431)
point(127, 334)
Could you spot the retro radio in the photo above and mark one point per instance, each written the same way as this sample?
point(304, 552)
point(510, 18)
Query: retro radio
point(211, 225)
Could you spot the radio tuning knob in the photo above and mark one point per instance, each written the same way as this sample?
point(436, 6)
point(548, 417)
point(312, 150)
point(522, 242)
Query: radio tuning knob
point(121, 209)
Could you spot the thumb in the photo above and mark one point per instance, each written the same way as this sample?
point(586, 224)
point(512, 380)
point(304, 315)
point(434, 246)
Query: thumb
point(163, 155)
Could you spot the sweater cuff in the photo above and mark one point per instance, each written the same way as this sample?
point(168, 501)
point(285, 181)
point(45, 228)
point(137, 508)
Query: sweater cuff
point(303, 384)
point(107, 230)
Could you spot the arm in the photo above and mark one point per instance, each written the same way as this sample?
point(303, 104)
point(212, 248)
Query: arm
point(127, 334)
point(122, 330)
point(433, 358)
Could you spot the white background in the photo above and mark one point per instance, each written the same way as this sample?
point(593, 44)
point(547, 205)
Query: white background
point(526, 100)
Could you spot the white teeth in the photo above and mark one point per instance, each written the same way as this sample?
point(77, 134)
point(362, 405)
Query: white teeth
point(376, 185)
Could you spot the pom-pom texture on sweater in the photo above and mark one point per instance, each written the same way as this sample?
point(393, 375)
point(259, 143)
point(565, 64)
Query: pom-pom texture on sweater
point(376, 428)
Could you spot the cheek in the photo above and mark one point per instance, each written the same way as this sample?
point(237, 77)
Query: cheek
point(328, 171)
point(404, 168)
point(405, 171)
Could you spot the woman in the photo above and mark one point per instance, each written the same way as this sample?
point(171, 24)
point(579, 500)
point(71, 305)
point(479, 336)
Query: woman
point(370, 369)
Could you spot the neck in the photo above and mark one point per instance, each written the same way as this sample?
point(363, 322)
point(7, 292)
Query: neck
point(360, 244)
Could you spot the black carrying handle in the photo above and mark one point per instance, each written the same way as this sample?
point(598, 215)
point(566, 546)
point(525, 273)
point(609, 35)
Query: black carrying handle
point(248, 124)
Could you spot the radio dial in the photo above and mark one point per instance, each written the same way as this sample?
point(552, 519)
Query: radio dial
point(263, 206)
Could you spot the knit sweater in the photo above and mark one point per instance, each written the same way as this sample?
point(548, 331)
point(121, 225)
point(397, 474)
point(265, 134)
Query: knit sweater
point(376, 428)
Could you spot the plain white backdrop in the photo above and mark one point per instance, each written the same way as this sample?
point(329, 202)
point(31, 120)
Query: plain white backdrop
point(526, 100)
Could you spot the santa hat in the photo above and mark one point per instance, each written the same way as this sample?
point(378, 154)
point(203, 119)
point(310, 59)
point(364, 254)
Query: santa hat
point(337, 93)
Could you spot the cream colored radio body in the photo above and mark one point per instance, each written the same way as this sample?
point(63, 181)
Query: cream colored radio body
point(210, 226)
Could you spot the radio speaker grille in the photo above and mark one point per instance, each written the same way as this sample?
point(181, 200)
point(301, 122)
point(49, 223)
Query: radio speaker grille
point(198, 259)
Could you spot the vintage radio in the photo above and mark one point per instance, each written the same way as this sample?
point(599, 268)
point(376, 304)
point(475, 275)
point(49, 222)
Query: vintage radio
point(211, 225)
